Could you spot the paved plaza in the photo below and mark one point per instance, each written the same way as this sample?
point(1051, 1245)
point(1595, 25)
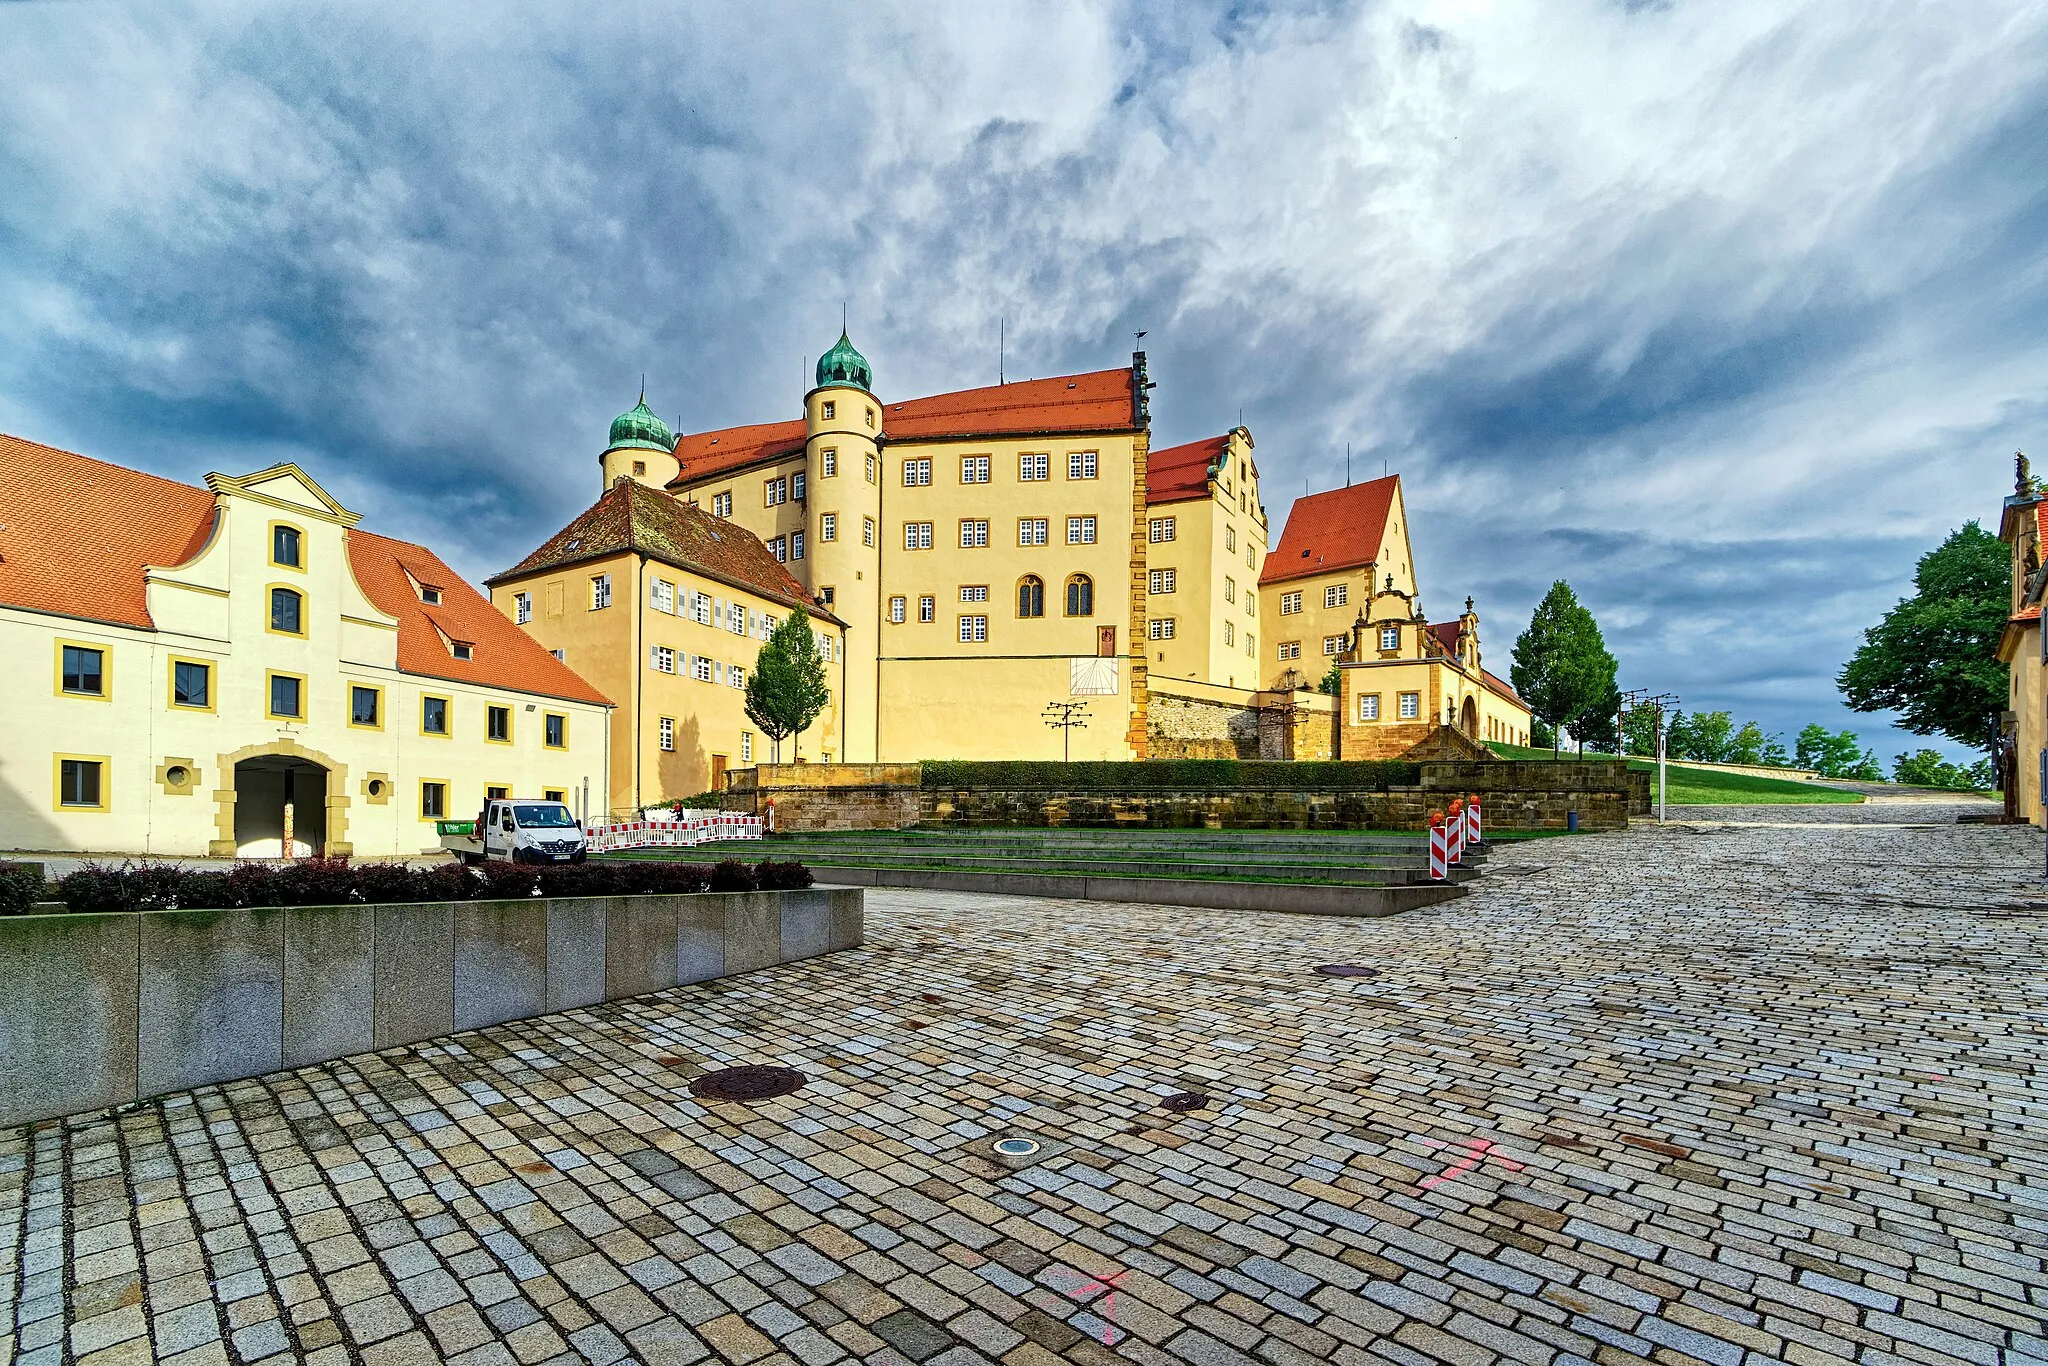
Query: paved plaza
point(1763, 1084)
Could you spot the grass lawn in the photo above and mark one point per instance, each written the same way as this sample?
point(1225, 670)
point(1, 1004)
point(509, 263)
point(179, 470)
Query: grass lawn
point(1710, 787)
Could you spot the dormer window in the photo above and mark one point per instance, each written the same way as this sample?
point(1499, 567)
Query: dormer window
point(462, 649)
point(430, 596)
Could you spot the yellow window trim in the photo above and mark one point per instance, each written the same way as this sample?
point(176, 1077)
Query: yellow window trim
point(510, 722)
point(268, 615)
point(353, 724)
point(171, 683)
point(106, 764)
point(489, 784)
point(447, 716)
point(547, 716)
point(304, 699)
point(421, 807)
point(555, 794)
point(270, 546)
point(106, 653)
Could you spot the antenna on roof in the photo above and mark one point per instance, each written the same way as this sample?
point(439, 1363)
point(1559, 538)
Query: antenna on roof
point(1002, 340)
point(1347, 464)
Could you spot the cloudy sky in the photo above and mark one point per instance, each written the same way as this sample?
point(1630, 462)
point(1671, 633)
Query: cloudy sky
point(1722, 311)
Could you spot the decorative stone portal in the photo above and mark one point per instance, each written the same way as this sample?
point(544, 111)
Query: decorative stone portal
point(259, 782)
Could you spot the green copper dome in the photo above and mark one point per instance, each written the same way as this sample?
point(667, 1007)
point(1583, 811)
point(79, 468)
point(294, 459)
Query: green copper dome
point(844, 365)
point(639, 429)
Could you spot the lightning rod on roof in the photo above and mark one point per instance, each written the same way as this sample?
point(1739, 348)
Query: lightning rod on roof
point(1002, 342)
point(1347, 464)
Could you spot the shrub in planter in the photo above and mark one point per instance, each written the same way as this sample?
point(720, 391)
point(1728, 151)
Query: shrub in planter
point(506, 881)
point(252, 884)
point(730, 875)
point(382, 884)
point(98, 888)
point(785, 876)
point(20, 887)
point(317, 882)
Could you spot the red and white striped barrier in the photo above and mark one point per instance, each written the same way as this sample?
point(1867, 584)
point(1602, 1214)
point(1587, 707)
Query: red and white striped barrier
point(1455, 828)
point(688, 829)
point(1473, 833)
point(1439, 848)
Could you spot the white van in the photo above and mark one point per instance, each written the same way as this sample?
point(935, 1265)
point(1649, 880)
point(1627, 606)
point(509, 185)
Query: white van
point(520, 830)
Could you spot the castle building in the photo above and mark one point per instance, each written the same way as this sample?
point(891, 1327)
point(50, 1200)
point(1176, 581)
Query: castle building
point(241, 669)
point(1205, 547)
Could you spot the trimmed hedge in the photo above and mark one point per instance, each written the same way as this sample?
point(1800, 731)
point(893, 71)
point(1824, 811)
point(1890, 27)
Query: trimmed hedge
point(143, 885)
point(1172, 775)
point(20, 885)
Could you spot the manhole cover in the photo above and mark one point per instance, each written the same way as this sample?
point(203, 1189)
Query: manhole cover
point(1016, 1147)
point(1180, 1102)
point(747, 1083)
point(1347, 970)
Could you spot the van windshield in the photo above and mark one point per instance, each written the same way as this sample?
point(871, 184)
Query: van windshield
point(546, 815)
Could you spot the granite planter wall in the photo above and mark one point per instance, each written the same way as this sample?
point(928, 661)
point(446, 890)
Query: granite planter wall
point(99, 1010)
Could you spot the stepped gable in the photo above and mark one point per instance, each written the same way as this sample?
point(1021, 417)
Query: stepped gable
point(1336, 529)
point(634, 519)
point(1099, 401)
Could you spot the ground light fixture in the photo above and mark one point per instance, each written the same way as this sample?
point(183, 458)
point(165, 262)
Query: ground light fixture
point(1017, 1147)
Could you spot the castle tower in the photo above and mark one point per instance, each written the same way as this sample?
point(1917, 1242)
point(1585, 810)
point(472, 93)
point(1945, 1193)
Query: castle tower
point(641, 448)
point(843, 445)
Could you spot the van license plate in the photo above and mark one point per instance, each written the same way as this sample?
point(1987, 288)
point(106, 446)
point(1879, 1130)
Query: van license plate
point(558, 857)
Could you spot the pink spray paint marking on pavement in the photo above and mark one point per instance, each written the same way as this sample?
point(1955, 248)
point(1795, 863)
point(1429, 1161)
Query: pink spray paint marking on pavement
point(1474, 1151)
point(1109, 1283)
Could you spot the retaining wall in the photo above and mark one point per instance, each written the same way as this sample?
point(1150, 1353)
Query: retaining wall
point(1298, 898)
point(99, 1010)
point(828, 796)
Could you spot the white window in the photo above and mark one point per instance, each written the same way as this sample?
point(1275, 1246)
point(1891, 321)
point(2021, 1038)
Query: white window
point(1160, 628)
point(1248, 562)
point(1390, 637)
point(1332, 644)
point(700, 668)
point(522, 608)
point(668, 733)
point(775, 492)
point(1080, 531)
point(974, 469)
point(828, 526)
point(828, 410)
point(973, 630)
point(871, 469)
point(736, 618)
point(746, 747)
point(1229, 634)
point(1160, 581)
point(796, 486)
point(867, 531)
point(779, 549)
point(664, 596)
point(1336, 595)
point(1290, 603)
point(917, 535)
point(1251, 602)
point(1229, 589)
point(600, 591)
point(1230, 538)
point(973, 534)
point(896, 610)
point(828, 466)
point(1031, 468)
point(735, 675)
point(1160, 529)
point(1411, 705)
point(825, 597)
point(1031, 531)
point(974, 592)
point(1081, 465)
point(1290, 649)
point(1251, 646)
point(796, 545)
point(721, 505)
point(661, 659)
point(1369, 707)
point(927, 608)
point(700, 608)
point(917, 473)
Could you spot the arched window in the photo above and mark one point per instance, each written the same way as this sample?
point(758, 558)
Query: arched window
point(1031, 596)
point(1080, 596)
point(284, 612)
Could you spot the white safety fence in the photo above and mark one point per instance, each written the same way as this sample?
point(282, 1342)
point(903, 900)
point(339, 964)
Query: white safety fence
point(677, 832)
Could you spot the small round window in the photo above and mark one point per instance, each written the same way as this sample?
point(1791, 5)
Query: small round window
point(376, 787)
point(177, 775)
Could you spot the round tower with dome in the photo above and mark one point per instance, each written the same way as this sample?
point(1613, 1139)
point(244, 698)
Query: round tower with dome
point(641, 447)
point(843, 453)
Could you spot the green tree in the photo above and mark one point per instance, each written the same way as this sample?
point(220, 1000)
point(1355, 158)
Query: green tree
point(1932, 659)
point(788, 688)
point(1639, 731)
point(1926, 768)
point(1707, 737)
point(1333, 681)
point(1752, 746)
point(1561, 666)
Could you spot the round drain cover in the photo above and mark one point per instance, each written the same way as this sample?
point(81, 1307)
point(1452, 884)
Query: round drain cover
point(1180, 1102)
point(1347, 970)
point(1016, 1147)
point(747, 1083)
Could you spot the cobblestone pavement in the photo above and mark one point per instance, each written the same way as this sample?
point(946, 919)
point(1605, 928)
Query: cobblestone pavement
point(1864, 813)
point(1700, 1094)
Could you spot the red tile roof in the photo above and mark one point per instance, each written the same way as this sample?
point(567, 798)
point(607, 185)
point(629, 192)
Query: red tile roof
point(1500, 685)
point(504, 657)
point(632, 518)
point(77, 533)
point(1180, 474)
point(1096, 402)
point(1339, 529)
point(1446, 633)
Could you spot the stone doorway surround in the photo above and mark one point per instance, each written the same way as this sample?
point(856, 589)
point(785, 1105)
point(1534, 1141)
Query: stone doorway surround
point(336, 844)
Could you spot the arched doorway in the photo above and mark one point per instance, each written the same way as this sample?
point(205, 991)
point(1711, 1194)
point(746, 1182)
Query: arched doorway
point(271, 792)
point(1468, 718)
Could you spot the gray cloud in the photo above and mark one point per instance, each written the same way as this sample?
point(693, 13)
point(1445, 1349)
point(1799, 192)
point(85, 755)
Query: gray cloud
point(1722, 312)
